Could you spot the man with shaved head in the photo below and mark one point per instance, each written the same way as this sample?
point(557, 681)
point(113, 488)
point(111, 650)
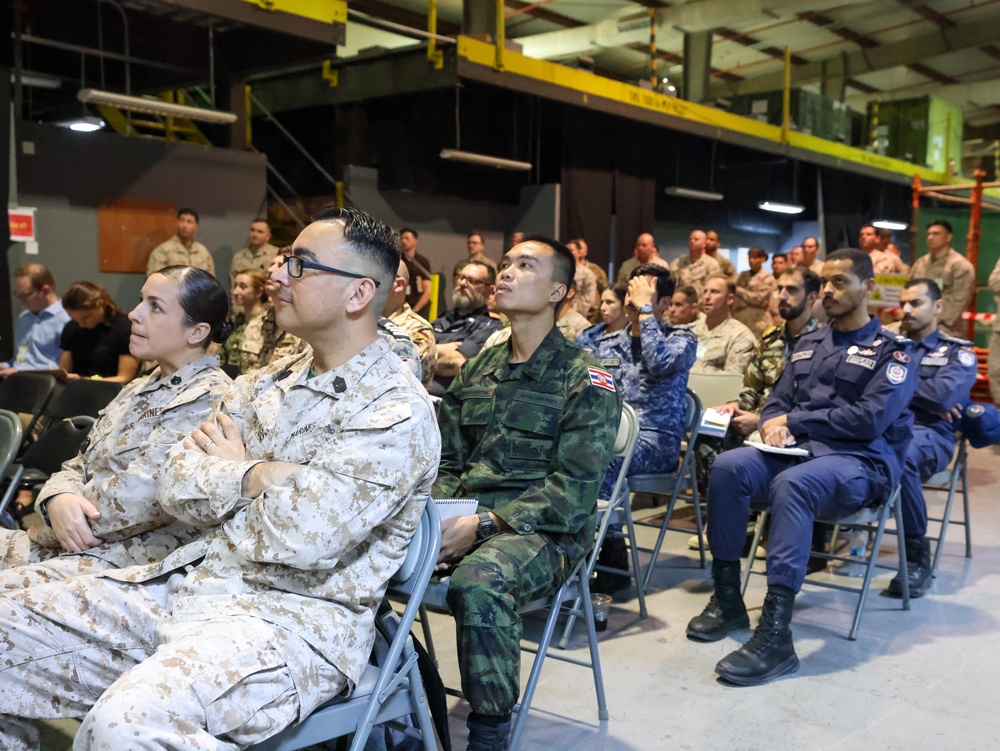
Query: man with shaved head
point(694, 268)
point(645, 252)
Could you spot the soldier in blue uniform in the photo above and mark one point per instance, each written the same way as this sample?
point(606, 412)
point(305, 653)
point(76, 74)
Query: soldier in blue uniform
point(650, 361)
point(613, 317)
point(946, 372)
point(843, 397)
point(527, 428)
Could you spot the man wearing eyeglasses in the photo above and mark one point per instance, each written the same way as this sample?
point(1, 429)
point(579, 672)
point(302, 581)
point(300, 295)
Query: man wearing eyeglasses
point(462, 331)
point(40, 324)
point(318, 468)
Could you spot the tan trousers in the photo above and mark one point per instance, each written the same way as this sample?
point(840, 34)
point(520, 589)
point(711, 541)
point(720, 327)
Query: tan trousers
point(107, 650)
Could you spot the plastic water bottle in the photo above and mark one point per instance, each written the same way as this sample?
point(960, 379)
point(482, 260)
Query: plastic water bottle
point(858, 541)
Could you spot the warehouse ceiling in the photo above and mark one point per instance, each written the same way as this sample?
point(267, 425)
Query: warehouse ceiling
point(889, 49)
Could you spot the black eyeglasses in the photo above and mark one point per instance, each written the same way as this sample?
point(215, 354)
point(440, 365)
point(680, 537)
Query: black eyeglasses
point(296, 264)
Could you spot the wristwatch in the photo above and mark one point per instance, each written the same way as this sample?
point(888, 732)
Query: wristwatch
point(487, 527)
point(646, 310)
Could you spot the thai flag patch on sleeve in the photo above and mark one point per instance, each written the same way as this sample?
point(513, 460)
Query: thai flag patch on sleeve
point(601, 379)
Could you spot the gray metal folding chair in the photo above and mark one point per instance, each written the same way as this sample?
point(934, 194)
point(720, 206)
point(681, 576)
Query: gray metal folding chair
point(675, 483)
point(872, 519)
point(27, 393)
point(610, 510)
point(392, 691)
point(947, 481)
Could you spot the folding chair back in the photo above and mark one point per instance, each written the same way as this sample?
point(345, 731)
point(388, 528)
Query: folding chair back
point(872, 519)
point(392, 691)
point(715, 389)
point(675, 483)
point(947, 481)
point(608, 509)
point(10, 442)
point(27, 393)
point(59, 443)
point(82, 397)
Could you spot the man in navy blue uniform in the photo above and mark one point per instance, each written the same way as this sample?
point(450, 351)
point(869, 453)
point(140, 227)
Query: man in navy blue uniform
point(946, 371)
point(843, 397)
point(650, 360)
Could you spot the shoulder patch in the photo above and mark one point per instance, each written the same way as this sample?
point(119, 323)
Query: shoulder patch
point(896, 373)
point(966, 358)
point(901, 356)
point(601, 379)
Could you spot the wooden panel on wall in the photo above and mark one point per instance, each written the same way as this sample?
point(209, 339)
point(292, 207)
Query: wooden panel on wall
point(129, 228)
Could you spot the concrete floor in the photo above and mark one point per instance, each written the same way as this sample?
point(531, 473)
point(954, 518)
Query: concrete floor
point(913, 681)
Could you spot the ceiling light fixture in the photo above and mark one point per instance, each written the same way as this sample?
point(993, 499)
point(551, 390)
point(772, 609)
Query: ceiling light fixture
point(153, 106)
point(36, 80)
point(781, 208)
point(889, 224)
point(699, 195)
point(484, 160)
point(83, 124)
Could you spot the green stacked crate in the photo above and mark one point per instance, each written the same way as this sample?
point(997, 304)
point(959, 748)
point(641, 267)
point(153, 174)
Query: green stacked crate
point(926, 131)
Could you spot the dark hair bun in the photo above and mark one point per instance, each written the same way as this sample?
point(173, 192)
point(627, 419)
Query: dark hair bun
point(222, 333)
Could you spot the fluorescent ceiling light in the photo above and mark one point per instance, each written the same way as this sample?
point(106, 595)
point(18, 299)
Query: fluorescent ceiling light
point(153, 106)
point(36, 80)
point(83, 124)
point(699, 195)
point(887, 224)
point(484, 160)
point(781, 208)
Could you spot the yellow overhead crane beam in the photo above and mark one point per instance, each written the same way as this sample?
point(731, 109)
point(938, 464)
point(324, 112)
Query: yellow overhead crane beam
point(324, 11)
point(509, 62)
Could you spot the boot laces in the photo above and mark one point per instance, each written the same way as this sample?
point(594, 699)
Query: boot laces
point(763, 634)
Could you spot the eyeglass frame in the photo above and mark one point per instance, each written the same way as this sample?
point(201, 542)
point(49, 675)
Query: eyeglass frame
point(303, 264)
point(471, 281)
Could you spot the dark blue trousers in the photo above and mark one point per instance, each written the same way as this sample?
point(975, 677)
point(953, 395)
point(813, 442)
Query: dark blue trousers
point(929, 452)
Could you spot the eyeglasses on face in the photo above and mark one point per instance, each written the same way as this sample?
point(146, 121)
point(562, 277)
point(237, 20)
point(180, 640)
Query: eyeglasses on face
point(471, 280)
point(296, 265)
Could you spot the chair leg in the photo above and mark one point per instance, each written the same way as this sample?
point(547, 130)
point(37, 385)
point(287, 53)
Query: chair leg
point(634, 550)
point(945, 519)
point(699, 524)
point(757, 534)
point(904, 571)
point(965, 497)
point(428, 638)
point(595, 655)
point(660, 536)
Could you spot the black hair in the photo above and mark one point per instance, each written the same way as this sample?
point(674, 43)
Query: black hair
point(933, 290)
point(620, 289)
point(410, 230)
point(860, 261)
point(783, 256)
point(262, 220)
point(192, 212)
point(564, 261)
point(810, 279)
point(203, 300)
point(371, 239)
point(665, 284)
point(491, 274)
point(944, 224)
point(689, 292)
point(755, 250)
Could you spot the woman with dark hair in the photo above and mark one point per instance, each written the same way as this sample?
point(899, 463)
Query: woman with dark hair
point(612, 317)
point(250, 301)
point(102, 505)
point(95, 343)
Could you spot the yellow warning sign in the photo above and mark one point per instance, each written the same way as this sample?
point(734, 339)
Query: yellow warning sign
point(887, 288)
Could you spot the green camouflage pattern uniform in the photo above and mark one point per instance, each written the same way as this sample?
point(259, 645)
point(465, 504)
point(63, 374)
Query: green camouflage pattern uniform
point(530, 442)
point(766, 364)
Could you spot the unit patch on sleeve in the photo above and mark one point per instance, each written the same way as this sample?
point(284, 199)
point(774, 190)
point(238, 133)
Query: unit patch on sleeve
point(601, 379)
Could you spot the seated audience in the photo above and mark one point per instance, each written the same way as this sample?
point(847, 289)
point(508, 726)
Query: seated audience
point(264, 341)
point(100, 510)
point(613, 318)
point(249, 295)
point(95, 343)
point(418, 328)
point(650, 361)
point(527, 428)
point(418, 273)
point(41, 323)
point(323, 465)
point(946, 372)
point(855, 426)
point(462, 331)
point(724, 344)
point(754, 290)
point(250, 300)
point(587, 292)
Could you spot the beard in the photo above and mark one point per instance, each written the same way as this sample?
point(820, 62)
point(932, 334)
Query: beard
point(464, 300)
point(790, 313)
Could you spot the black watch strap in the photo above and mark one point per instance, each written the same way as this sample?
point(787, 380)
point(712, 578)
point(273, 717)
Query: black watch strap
point(487, 527)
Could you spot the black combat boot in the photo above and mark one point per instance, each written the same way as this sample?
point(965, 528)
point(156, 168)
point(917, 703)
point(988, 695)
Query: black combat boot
point(770, 652)
point(488, 733)
point(614, 554)
point(918, 568)
point(725, 611)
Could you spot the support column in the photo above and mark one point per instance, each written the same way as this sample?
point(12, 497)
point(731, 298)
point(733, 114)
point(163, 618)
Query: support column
point(834, 81)
point(697, 65)
point(479, 19)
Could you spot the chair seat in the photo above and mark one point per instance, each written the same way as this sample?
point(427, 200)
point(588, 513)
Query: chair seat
point(652, 483)
point(940, 478)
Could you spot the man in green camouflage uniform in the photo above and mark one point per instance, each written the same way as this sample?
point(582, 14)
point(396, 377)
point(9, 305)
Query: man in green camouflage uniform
point(528, 428)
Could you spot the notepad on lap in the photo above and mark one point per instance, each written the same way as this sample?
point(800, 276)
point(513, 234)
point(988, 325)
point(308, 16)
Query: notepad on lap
point(714, 423)
point(450, 508)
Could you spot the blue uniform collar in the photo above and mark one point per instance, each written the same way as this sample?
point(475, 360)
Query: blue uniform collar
point(931, 341)
point(866, 335)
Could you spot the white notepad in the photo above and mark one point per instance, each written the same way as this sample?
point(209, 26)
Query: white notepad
point(784, 450)
point(450, 508)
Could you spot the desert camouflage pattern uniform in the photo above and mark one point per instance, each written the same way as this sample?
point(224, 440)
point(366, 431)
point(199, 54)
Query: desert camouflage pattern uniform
point(694, 273)
point(724, 349)
point(116, 470)
point(233, 637)
point(956, 276)
point(173, 253)
point(530, 442)
point(247, 259)
point(421, 332)
point(572, 324)
point(402, 345)
point(885, 262)
point(588, 298)
point(753, 300)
